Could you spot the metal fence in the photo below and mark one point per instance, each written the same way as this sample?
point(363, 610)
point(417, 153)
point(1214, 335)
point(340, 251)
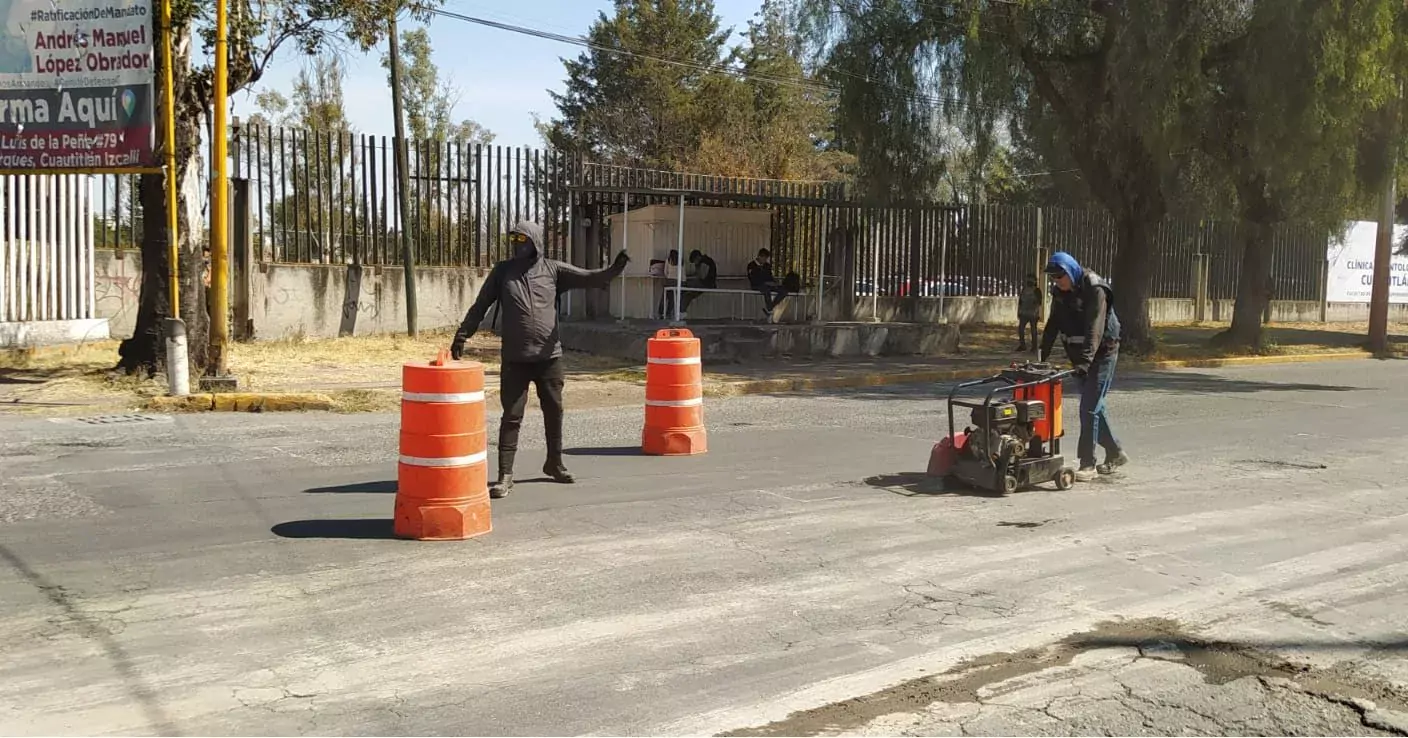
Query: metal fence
point(331, 198)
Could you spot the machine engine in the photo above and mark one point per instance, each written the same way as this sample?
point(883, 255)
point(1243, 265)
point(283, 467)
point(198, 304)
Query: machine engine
point(1011, 429)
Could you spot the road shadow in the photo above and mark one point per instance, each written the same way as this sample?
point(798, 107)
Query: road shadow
point(98, 631)
point(387, 487)
point(18, 376)
point(353, 529)
point(919, 484)
point(605, 451)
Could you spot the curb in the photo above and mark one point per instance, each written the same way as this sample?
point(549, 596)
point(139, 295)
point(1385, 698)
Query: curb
point(243, 402)
point(804, 384)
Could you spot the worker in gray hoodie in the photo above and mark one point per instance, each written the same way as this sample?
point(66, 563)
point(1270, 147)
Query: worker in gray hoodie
point(526, 287)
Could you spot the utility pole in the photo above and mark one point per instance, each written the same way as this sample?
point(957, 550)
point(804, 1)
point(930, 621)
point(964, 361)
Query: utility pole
point(1383, 247)
point(403, 179)
point(217, 373)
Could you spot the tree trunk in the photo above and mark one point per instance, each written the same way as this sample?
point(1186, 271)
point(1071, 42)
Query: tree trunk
point(1131, 278)
point(145, 351)
point(1252, 288)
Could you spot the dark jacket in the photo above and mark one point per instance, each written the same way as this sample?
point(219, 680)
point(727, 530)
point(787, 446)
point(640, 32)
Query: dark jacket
point(1029, 304)
point(1086, 317)
point(760, 275)
point(708, 272)
point(526, 291)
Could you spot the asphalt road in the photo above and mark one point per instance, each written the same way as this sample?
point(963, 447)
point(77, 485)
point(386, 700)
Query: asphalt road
point(223, 574)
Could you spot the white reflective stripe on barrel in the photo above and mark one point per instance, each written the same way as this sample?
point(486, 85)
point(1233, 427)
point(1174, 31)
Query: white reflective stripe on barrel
point(674, 362)
point(470, 460)
point(695, 402)
point(452, 397)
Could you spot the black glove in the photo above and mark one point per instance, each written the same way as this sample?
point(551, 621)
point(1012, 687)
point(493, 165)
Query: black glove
point(457, 349)
point(622, 259)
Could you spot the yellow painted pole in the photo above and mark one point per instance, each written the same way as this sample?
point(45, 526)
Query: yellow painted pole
point(178, 373)
point(169, 120)
point(220, 207)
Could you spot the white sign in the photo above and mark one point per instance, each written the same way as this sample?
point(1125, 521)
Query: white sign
point(76, 90)
point(1351, 265)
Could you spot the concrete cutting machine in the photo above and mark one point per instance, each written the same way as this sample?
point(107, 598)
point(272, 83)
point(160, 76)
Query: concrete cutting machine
point(1015, 437)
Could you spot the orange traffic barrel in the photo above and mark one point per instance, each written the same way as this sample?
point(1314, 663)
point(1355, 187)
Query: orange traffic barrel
point(442, 491)
point(674, 395)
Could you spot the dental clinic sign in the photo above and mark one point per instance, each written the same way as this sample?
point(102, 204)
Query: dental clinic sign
point(76, 86)
point(1351, 265)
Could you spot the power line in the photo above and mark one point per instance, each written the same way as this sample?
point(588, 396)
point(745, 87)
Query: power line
point(799, 83)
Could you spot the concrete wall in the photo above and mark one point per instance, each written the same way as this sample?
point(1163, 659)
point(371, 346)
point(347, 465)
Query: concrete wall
point(320, 301)
point(324, 301)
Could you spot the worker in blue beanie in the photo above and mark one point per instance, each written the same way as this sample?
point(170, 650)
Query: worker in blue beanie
point(1083, 311)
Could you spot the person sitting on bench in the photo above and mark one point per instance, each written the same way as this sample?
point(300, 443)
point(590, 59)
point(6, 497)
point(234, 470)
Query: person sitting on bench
point(702, 272)
point(761, 279)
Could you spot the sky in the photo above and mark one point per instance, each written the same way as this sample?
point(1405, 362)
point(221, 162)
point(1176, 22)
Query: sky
point(504, 77)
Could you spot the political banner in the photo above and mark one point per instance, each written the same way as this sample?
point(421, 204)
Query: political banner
point(76, 85)
point(1350, 275)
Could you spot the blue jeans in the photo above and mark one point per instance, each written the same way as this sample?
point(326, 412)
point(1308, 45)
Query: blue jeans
point(1094, 423)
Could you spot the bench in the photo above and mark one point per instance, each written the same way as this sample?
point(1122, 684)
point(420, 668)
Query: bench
point(742, 292)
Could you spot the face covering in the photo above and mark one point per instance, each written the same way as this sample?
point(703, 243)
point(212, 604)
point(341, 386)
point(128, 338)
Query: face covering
point(523, 250)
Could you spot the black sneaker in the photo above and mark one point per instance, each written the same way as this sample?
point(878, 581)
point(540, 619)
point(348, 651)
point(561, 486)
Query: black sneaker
point(1112, 463)
point(501, 489)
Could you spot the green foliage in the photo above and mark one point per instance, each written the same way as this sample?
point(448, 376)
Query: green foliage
point(642, 109)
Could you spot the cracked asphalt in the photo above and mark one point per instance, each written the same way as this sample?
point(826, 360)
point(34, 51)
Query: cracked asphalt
point(234, 575)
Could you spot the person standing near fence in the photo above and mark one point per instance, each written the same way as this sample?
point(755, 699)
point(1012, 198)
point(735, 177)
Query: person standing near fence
point(1028, 312)
point(526, 288)
point(1083, 310)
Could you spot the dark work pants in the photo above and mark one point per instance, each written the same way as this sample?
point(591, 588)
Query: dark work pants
point(1094, 424)
point(514, 378)
point(773, 295)
point(1022, 324)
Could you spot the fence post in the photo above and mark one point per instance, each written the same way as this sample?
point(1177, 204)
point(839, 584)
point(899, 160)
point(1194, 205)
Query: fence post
point(1325, 290)
point(1040, 267)
point(242, 261)
point(916, 260)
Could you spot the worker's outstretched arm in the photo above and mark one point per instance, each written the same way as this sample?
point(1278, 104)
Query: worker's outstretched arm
point(488, 295)
point(571, 277)
point(1097, 311)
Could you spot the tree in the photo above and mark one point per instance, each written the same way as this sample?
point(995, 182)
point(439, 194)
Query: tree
point(1289, 147)
point(316, 165)
point(258, 29)
point(639, 96)
point(429, 102)
point(773, 120)
point(1113, 83)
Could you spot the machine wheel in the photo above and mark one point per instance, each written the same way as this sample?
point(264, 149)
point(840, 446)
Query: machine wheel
point(1065, 480)
point(1009, 484)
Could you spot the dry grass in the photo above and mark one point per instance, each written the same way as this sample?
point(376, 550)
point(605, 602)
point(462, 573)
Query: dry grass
point(361, 373)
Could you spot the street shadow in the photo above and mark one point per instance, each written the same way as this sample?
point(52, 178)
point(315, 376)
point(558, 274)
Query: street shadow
point(387, 487)
point(919, 484)
point(605, 451)
point(99, 632)
point(18, 376)
point(354, 529)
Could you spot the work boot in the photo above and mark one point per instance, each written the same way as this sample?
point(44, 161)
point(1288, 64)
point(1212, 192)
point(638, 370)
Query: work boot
point(557, 472)
point(1087, 473)
point(1113, 462)
point(500, 489)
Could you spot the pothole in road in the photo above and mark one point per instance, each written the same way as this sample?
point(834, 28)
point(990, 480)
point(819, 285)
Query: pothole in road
point(1219, 664)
